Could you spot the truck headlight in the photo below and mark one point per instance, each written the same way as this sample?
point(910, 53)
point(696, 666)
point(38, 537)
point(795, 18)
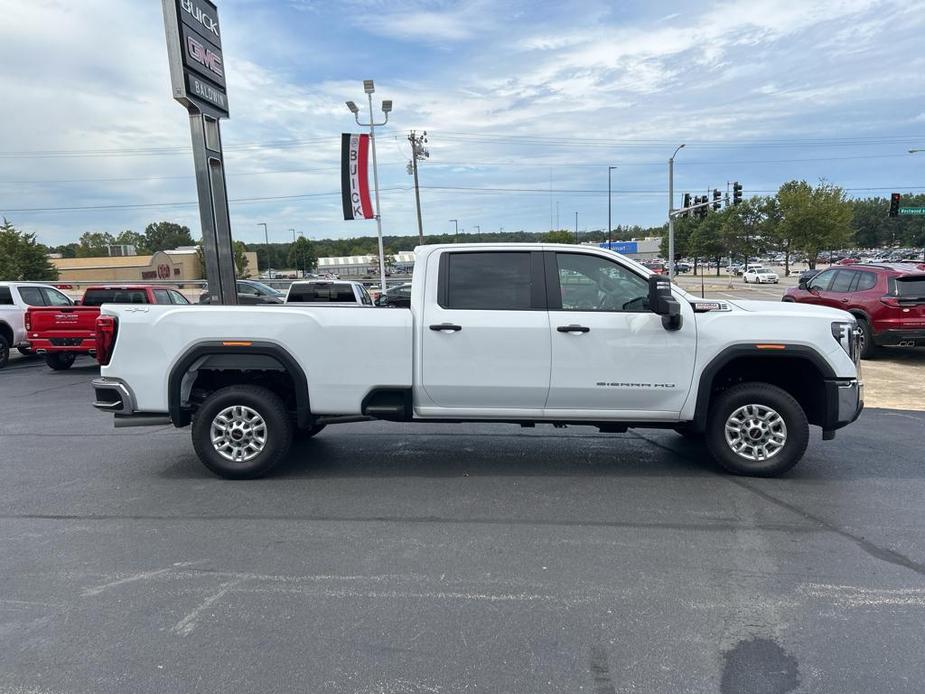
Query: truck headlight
point(848, 335)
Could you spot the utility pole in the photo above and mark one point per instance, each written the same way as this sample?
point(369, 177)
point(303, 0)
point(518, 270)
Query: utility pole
point(609, 223)
point(267, 239)
point(557, 216)
point(671, 267)
point(456, 226)
point(576, 228)
point(418, 153)
point(293, 235)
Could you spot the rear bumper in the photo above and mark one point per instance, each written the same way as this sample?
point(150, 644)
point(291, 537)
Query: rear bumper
point(112, 395)
point(47, 345)
point(899, 336)
point(845, 402)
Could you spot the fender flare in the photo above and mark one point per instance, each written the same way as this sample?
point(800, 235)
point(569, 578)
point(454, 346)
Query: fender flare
point(791, 351)
point(181, 417)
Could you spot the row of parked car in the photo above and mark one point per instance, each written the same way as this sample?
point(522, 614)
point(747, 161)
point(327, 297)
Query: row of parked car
point(41, 319)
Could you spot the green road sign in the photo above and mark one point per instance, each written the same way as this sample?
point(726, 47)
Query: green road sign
point(912, 210)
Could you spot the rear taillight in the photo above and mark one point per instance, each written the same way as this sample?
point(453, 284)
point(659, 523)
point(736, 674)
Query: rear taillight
point(27, 321)
point(890, 301)
point(106, 327)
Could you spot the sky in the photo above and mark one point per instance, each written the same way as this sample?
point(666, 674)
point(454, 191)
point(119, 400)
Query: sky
point(526, 105)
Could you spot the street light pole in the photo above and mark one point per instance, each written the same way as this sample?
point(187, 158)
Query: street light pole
point(266, 237)
point(478, 230)
point(576, 228)
point(369, 88)
point(671, 268)
point(609, 224)
point(456, 224)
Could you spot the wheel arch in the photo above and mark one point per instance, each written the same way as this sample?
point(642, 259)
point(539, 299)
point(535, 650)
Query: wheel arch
point(6, 330)
point(795, 368)
point(233, 357)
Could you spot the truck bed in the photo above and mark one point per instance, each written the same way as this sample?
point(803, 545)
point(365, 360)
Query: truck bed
point(352, 348)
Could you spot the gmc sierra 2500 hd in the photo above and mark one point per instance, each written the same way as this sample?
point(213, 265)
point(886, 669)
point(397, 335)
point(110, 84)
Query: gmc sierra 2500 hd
point(519, 333)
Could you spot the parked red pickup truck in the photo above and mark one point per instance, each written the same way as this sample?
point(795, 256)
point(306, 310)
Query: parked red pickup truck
point(60, 333)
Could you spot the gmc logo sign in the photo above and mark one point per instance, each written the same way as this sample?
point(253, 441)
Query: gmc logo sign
point(209, 23)
point(204, 56)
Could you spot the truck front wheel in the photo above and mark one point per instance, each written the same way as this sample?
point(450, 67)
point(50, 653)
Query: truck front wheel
point(241, 432)
point(756, 429)
point(60, 361)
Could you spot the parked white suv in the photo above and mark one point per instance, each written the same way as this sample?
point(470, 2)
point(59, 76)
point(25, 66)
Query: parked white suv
point(515, 333)
point(15, 298)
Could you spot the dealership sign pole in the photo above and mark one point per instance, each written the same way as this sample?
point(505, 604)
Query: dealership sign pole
point(197, 76)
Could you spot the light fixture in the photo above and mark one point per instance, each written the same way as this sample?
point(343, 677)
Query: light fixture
point(353, 107)
point(368, 86)
point(386, 105)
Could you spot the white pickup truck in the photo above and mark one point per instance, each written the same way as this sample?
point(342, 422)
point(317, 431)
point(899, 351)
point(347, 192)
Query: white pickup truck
point(518, 333)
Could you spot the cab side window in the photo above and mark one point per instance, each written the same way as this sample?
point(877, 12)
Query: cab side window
point(161, 296)
point(55, 298)
point(842, 281)
point(32, 296)
point(821, 281)
point(591, 283)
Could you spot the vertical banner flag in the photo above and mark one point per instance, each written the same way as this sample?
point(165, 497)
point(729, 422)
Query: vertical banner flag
point(354, 180)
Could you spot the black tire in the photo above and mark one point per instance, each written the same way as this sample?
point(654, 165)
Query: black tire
point(869, 348)
point(309, 432)
point(4, 351)
point(277, 431)
point(60, 361)
point(26, 351)
point(788, 300)
point(766, 397)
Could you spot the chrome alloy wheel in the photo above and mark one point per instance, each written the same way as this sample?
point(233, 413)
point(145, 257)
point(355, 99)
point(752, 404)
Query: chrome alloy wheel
point(238, 433)
point(756, 432)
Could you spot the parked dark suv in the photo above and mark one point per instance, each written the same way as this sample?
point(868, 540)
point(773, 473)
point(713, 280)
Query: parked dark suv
point(888, 299)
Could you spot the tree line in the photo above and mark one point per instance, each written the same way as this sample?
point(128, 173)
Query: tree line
point(800, 219)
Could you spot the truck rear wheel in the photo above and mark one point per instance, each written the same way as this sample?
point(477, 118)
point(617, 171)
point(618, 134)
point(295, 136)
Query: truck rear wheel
point(60, 361)
point(757, 429)
point(241, 432)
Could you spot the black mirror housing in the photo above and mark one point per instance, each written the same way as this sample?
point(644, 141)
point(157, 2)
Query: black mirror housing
point(804, 285)
point(662, 302)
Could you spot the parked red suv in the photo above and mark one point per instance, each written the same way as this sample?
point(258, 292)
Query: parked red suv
point(888, 299)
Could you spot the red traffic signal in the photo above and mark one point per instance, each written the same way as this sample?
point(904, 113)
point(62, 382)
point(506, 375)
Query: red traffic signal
point(894, 204)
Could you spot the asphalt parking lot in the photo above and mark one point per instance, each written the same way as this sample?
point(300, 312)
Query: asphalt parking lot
point(431, 558)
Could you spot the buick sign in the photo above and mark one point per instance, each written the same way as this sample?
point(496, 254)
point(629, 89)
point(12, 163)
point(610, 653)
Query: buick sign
point(194, 47)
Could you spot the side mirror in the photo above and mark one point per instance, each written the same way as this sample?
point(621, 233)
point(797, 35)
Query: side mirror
point(804, 284)
point(76, 302)
point(662, 302)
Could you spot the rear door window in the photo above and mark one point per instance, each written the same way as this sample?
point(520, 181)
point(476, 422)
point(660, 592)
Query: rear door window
point(866, 281)
point(499, 281)
point(6, 296)
point(842, 281)
point(32, 296)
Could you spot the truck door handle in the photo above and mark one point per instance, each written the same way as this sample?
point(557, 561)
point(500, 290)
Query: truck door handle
point(573, 329)
point(450, 327)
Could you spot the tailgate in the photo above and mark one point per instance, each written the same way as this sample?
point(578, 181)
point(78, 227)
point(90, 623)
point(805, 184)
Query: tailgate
point(62, 321)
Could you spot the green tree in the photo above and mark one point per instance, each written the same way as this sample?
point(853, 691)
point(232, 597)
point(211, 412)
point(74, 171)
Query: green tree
point(21, 258)
point(559, 236)
point(302, 255)
point(706, 240)
point(815, 219)
point(165, 236)
point(95, 244)
point(240, 259)
point(132, 238)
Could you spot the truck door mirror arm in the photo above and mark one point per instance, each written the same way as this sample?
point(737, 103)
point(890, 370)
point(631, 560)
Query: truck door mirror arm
point(662, 302)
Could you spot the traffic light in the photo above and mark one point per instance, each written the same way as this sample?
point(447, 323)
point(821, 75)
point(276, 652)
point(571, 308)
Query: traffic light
point(701, 211)
point(894, 204)
point(736, 193)
point(717, 196)
point(686, 203)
